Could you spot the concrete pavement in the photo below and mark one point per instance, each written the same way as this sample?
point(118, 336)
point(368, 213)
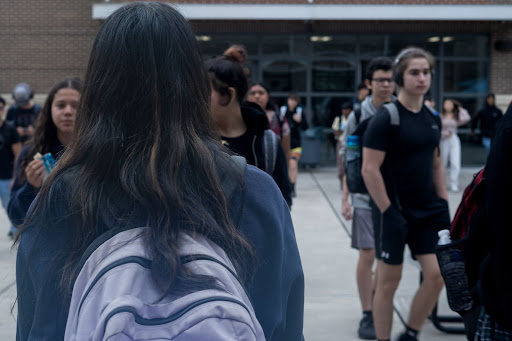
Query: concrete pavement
point(332, 309)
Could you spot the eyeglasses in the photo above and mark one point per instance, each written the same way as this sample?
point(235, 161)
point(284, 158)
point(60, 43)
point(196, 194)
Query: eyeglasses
point(383, 80)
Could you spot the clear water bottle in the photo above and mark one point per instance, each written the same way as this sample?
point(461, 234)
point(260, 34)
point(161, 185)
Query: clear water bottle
point(453, 269)
point(353, 148)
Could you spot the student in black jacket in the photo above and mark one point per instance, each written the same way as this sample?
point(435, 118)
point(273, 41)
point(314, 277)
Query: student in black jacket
point(243, 126)
point(488, 117)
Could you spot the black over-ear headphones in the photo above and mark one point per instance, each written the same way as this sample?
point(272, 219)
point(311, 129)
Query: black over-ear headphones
point(398, 76)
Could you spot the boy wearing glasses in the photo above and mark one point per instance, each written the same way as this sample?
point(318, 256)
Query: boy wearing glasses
point(379, 79)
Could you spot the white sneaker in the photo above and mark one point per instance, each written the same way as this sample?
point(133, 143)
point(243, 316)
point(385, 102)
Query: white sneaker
point(454, 188)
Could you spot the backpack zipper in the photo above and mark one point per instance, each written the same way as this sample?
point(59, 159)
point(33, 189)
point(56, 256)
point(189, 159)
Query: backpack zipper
point(146, 263)
point(164, 320)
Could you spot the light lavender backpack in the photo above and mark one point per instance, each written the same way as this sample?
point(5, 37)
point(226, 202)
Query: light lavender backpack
point(114, 297)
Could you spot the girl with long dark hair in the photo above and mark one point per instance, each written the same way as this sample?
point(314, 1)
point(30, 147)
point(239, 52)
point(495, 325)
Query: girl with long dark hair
point(52, 134)
point(144, 154)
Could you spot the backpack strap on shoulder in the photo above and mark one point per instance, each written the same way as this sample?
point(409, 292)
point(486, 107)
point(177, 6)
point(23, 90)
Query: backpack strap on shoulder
point(432, 110)
point(393, 113)
point(230, 183)
point(270, 145)
point(357, 114)
point(282, 112)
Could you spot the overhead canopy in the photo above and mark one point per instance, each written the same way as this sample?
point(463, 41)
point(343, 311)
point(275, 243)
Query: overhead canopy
point(344, 12)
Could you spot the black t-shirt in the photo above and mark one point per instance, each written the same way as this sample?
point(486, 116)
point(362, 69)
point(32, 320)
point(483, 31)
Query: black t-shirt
point(8, 136)
point(23, 117)
point(409, 151)
point(295, 127)
point(242, 145)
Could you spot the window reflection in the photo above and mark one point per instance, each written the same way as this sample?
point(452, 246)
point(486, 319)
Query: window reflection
point(215, 45)
point(462, 76)
point(333, 46)
point(325, 109)
point(399, 42)
point(466, 46)
point(285, 75)
point(333, 76)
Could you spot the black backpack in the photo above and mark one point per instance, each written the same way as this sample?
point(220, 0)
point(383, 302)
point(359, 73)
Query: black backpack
point(353, 167)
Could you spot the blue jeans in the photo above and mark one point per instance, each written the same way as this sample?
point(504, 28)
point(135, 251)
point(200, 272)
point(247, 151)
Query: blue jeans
point(486, 142)
point(5, 194)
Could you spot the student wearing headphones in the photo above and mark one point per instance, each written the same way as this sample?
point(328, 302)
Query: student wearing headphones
point(408, 192)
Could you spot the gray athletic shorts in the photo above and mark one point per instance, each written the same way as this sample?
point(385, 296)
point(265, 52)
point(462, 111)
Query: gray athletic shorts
point(362, 229)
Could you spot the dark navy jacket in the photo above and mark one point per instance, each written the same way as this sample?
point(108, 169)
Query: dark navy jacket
point(496, 277)
point(23, 193)
point(276, 291)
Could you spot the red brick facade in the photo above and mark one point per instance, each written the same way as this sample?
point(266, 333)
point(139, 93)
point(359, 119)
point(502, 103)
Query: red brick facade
point(44, 41)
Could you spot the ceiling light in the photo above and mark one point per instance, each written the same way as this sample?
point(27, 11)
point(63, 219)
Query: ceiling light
point(447, 39)
point(203, 38)
point(322, 39)
point(433, 39)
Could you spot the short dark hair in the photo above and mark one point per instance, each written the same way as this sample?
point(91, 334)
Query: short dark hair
point(378, 63)
point(2, 100)
point(361, 86)
point(295, 97)
point(490, 94)
point(347, 105)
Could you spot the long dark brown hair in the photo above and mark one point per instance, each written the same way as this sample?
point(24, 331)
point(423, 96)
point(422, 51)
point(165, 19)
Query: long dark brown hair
point(45, 132)
point(144, 151)
point(456, 108)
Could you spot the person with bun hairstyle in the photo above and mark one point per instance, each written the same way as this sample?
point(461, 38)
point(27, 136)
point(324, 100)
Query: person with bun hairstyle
point(243, 126)
point(53, 130)
point(260, 94)
point(453, 116)
point(144, 153)
point(403, 172)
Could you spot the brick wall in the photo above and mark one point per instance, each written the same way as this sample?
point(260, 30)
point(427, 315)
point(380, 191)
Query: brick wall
point(355, 2)
point(44, 41)
point(501, 61)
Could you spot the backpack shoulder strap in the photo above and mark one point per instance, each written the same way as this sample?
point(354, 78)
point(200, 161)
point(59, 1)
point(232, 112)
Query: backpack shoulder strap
point(270, 145)
point(357, 114)
point(436, 116)
point(432, 110)
point(230, 183)
point(37, 109)
point(393, 113)
point(282, 112)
